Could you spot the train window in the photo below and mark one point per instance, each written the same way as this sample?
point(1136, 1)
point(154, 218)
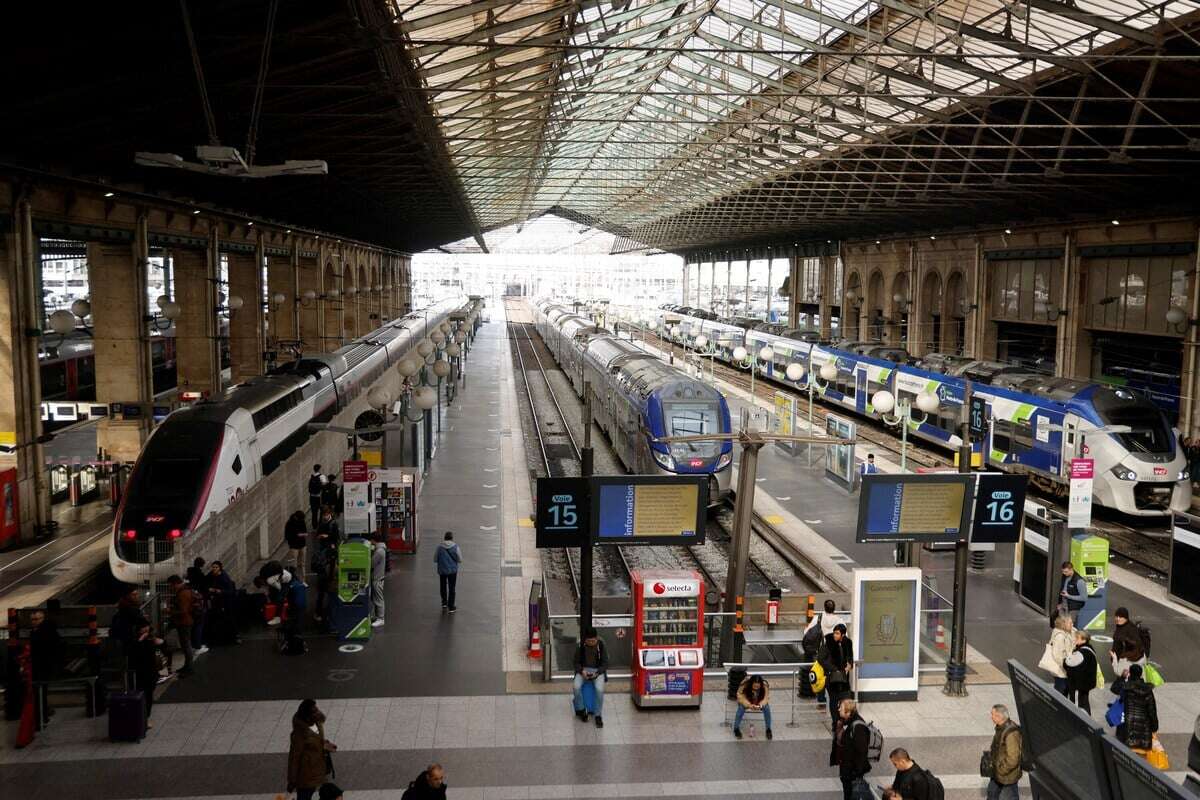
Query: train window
point(1001, 435)
point(847, 380)
point(1022, 436)
point(237, 465)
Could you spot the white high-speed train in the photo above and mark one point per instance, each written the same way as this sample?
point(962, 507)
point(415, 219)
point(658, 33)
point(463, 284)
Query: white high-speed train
point(202, 458)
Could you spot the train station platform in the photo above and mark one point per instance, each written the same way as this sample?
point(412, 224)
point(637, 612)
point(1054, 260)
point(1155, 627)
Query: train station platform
point(457, 689)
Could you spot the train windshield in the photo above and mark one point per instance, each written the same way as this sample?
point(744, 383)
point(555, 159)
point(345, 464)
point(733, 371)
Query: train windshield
point(1149, 432)
point(692, 419)
point(174, 466)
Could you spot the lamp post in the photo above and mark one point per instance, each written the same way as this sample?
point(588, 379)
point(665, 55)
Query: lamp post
point(884, 401)
point(742, 357)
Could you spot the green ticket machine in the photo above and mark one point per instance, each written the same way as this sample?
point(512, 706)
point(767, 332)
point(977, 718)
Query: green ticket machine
point(352, 601)
point(1089, 554)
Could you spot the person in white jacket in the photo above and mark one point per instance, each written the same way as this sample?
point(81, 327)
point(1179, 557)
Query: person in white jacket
point(1062, 642)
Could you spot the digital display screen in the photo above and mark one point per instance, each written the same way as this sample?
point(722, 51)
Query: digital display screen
point(886, 635)
point(902, 508)
point(650, 509)
point(689, 658)
point(654, 658)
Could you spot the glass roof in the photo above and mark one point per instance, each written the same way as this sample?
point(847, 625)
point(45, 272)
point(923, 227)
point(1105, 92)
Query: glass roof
point(630, 113)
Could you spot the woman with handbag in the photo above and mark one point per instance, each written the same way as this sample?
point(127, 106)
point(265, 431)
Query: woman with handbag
point(1057, 649)
point(309, 759)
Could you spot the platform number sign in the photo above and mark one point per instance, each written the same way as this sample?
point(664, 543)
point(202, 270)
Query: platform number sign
point(563, 512)
point(978, 418)
point(999, 508)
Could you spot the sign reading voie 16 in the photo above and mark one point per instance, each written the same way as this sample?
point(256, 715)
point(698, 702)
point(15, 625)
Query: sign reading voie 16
point(564, 512)
point(999, 508)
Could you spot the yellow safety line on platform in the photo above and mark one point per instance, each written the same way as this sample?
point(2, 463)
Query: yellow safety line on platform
point(524, 522)
point(774, 519)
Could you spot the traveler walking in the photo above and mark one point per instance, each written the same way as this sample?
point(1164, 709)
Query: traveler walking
point(45, 656)
point(836, 657)
point(820, 626)
point(143, 663)
point(1141, 709)
point(309, 759)
point(295, 531)
point(911, 781)
point(197, 581)
point(448, 558)
point(1002, 761)
point(591, 665)
point(850, 752)
point(316, 482)
point(379, 557)
point(429, 785)
point(1057, 649)
point(331, 494)
point(753, 695)
point(1128, 646)
point(1082, 669)
point(181, 619)
point(1072, 590)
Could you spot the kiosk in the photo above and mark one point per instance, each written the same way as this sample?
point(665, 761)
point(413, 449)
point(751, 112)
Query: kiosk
point(351, 615)
point(394, 496)
point(1089, 554)
point(668, 647)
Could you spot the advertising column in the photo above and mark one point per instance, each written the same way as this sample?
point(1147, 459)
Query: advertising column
point(356, 519)
point(1079, 510)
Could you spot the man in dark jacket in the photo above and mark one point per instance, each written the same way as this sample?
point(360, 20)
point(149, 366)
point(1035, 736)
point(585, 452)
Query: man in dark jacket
point(910, 780)
point(45, 655)
point(182, 620)
point(316, 482)
point(1141, 710)
point(1127, 641)
point(295, 532)
point(1072, 590)
point(851, 742)
point(429, 785)
point(836, 657)
point(591, 664)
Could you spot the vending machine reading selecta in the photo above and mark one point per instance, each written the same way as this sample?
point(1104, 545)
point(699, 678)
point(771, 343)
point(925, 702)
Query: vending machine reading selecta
point(352, 603)
point(668, 648)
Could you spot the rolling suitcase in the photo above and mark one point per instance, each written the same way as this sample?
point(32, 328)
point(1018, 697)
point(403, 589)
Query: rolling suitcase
point(126, 716)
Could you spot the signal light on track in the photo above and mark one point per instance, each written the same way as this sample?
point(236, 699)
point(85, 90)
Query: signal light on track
point(131, 535)
point(176, 533)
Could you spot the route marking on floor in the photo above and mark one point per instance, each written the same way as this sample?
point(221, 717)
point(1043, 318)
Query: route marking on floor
point(490, 485)
point(487, 527)
point(524, 522)
point(487, 507)
point(491, 449)
point(774, 519)
point(812, 522)
point(489, 469)
point(784, 498)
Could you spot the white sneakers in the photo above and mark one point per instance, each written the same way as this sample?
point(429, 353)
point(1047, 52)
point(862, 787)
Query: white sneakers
point(377, 623)
point(203, 649)
point(274, 621)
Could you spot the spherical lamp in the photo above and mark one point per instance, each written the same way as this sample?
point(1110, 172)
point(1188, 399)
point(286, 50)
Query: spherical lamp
point(828, 371)
point(453, 349)
point(235, 302)
point(81, 308)
point(795, 372)
point(766, 354)
point(310, 294)
point(441, 368)
point(162, 301)
point(702, 341)
point(279, 297)
point(927, 402)
point(352, 291)
point(460, 336)
point(1176, 315)
point(425, 398)
point(425, 348)
point(739, 353)
point(408, 367)
point(62, 322)
point(333, 294)
point(171, 310)
point(379, 398)
point(883, 401)
point(438, 337)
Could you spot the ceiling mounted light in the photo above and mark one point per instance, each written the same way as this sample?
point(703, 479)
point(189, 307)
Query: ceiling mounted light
point(220, 160)
point(110, 194)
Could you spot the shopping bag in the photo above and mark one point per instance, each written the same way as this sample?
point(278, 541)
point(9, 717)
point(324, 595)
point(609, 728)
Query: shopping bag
point(1099, 676)
point(1048, 663)
point(1115, 715)
point(1151, 674)
point(1157, 755)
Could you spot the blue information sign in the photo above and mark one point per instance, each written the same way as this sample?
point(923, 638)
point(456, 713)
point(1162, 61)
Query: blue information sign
point(649, 509)
point(564, 513)
point(914, 508)
point(999, 508)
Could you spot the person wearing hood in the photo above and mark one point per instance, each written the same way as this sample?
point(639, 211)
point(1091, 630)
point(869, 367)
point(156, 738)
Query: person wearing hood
point(448, 558)
point(309, 761)
point(1141, 710)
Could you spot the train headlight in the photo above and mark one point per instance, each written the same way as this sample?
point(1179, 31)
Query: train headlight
point(664, 460)
point(1184, 475)
point(1123, 473)
point(724, 461)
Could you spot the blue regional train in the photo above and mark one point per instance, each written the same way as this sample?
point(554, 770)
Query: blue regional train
point(638, 398)
point(1035, 423)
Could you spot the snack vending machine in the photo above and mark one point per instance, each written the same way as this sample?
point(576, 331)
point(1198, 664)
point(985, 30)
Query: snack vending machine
point(668, 647)
point(395, 496)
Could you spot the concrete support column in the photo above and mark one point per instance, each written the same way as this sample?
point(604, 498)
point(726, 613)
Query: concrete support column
point(308, 311)
point(684, 281)
point(919, 332)
point(1073, 349)
point(283, 317)
point(981, 338)
point(117, 277)
point(20, 384)
point(826, 294)
point(246, 325)
point(197, 346)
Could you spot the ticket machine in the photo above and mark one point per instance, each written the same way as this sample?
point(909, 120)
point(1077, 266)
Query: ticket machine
point(668, 647)
point(1089, 554)
point(352, 601)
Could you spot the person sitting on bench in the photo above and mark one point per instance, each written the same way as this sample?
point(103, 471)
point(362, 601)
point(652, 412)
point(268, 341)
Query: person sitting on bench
point(591, 666)
point(753, 695)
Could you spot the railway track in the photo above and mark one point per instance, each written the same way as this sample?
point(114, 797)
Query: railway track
point(560, 456)
point(1149, 548)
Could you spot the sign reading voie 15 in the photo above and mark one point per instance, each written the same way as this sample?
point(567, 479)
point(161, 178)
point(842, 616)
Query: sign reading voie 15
point(563, 512)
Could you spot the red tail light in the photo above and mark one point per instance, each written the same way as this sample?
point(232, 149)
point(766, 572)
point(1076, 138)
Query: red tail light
point(131, 535)
point(176, 533)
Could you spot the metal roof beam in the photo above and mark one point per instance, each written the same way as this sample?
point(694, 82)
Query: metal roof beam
point(1071, 12)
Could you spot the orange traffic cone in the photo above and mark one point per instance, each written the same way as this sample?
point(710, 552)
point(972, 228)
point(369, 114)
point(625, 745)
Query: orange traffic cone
point(535, 644)
point(940, 639)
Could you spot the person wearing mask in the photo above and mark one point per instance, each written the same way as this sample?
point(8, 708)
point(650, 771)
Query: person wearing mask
point(753, 695)
point(1062, 642)
point(295, 532)
point(45, 656)
point(429, 785)
point(1127, 645)
point(1004, 756)
point(836, 657)
point(316, 482)
point(379, 559)
point(329, 535)
point(143, 663)
point(181, 619)
point(448, 557)
point(851, 742)
point(1082, 667)
point(1141, 709)
point(1072, 590)
point(820, 626)
point(309, 751)
point(911, 782)
point(591, 664)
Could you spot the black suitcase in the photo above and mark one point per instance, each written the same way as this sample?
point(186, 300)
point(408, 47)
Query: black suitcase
point(126, 716)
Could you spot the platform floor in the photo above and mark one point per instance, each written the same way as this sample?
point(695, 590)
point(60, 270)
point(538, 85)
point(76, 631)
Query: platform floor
point(433, 687)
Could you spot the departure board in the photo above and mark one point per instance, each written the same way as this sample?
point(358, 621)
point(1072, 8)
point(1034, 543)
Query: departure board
point(647, 509)
point(914, 508)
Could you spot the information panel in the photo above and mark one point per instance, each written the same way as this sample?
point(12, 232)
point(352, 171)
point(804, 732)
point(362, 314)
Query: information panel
point(914, 508)
point(649, 509)
point(563, 512)
point(886, 631)
point(999, 508)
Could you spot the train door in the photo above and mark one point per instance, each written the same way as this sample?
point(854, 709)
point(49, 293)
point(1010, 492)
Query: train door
point(1071, 441)
point(860, 389)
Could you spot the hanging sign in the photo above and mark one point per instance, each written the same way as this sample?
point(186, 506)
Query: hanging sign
point(1079, 508)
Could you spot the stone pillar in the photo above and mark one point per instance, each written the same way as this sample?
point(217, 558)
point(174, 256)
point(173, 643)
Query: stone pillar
point(197, 346)
point(20, 381)
point(826, 294)
point(283, 317)
point(117, 277)
point(981, 336)
point(918, 326)
point(308, 279)
point(1073, 349)
point(246, 325)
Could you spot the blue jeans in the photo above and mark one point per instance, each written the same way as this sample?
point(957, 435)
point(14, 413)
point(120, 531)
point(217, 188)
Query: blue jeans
point(597, 685)
point(997, 791)
point(741, 712)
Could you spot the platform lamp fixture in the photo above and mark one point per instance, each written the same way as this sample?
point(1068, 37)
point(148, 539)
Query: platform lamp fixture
point(64, 321)
point(885, 402)
point(229, 304)
point(902, 302)
point(168, 312)
point(812, 383)
point(1053, 312)
point(1178, 319)
point(307, 298)
point(742, 358)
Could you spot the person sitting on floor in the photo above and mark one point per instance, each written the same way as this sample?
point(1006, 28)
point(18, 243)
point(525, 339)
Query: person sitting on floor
point(753, 695)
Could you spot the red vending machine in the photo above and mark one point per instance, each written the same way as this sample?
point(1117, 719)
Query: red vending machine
point(668, 648)
point(394, 492)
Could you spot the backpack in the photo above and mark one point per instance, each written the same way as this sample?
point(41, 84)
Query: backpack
point(1144, 635)
point(812, 637)
point(314, 486)
point(875, 745)
point(936, 790)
